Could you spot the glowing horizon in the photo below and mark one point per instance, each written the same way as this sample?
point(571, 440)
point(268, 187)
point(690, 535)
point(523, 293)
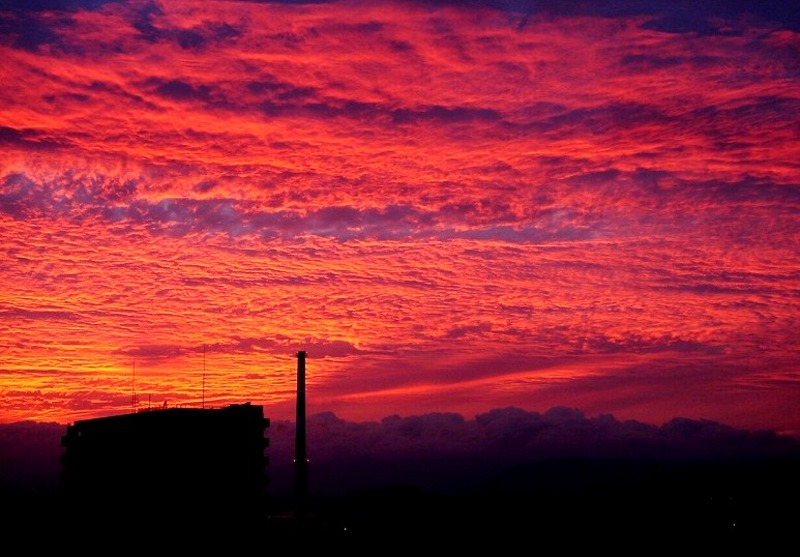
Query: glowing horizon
point(451, 208)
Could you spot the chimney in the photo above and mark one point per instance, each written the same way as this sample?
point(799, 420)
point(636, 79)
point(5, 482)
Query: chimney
point(300, 456)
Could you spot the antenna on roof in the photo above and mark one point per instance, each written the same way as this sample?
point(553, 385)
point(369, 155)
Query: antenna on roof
point(203, 403)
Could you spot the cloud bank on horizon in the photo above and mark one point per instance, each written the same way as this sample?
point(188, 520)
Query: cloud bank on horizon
point(451, 206)
point(439, 452)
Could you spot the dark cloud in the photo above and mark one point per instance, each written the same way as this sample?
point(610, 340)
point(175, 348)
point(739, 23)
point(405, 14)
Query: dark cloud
point(55, 315)
point(601, 120)
point(316, 348)
point(646, 188)
point(28, 32)
point(206, 33)
point(632, 343)
point(144, 21)
point(155, 351)
point(285, 1)
point(706, 288)
point(725, 123)
point(686, 23)
point(673, 16)
point(180, 90)
point(339, 108)
point(30, 140)
point(444, 114)
point(651, 62)
point(29, 457)
point(20, 198)
point(56, 5)
point(195, 38)
point(467, 330)
point(270, 85)
point(23, 197)
point(275, 98)
point(284, 99)
point(178, 217)
point(92, 402)
point(444, 451)
point(9, 135)
point(522, 235)
point(333, 349)
point(209, 95)
point(205, 186)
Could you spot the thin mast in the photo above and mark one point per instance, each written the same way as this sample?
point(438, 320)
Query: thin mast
point(300, 455)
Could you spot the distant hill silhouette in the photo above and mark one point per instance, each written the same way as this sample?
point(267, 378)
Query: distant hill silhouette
point(507, 475)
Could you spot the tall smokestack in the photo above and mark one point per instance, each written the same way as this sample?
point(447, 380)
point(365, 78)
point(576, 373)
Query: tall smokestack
point(300, 456)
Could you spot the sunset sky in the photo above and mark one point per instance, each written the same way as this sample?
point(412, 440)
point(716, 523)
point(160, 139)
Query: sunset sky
point(451, 206)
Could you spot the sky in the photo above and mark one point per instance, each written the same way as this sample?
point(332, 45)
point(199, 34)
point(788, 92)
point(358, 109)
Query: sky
point(452, 207)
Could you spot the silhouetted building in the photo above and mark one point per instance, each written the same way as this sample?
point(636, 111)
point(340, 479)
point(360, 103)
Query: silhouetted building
point(199, 466)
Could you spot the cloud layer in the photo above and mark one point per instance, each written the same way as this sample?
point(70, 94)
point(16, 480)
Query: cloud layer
point(451, 206)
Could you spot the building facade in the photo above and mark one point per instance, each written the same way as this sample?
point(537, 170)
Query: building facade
point(206, 467)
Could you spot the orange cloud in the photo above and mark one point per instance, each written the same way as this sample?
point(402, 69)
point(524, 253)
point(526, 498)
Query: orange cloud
point(439, 202)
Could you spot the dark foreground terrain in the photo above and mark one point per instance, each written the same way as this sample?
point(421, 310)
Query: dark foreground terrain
point(625, 506)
